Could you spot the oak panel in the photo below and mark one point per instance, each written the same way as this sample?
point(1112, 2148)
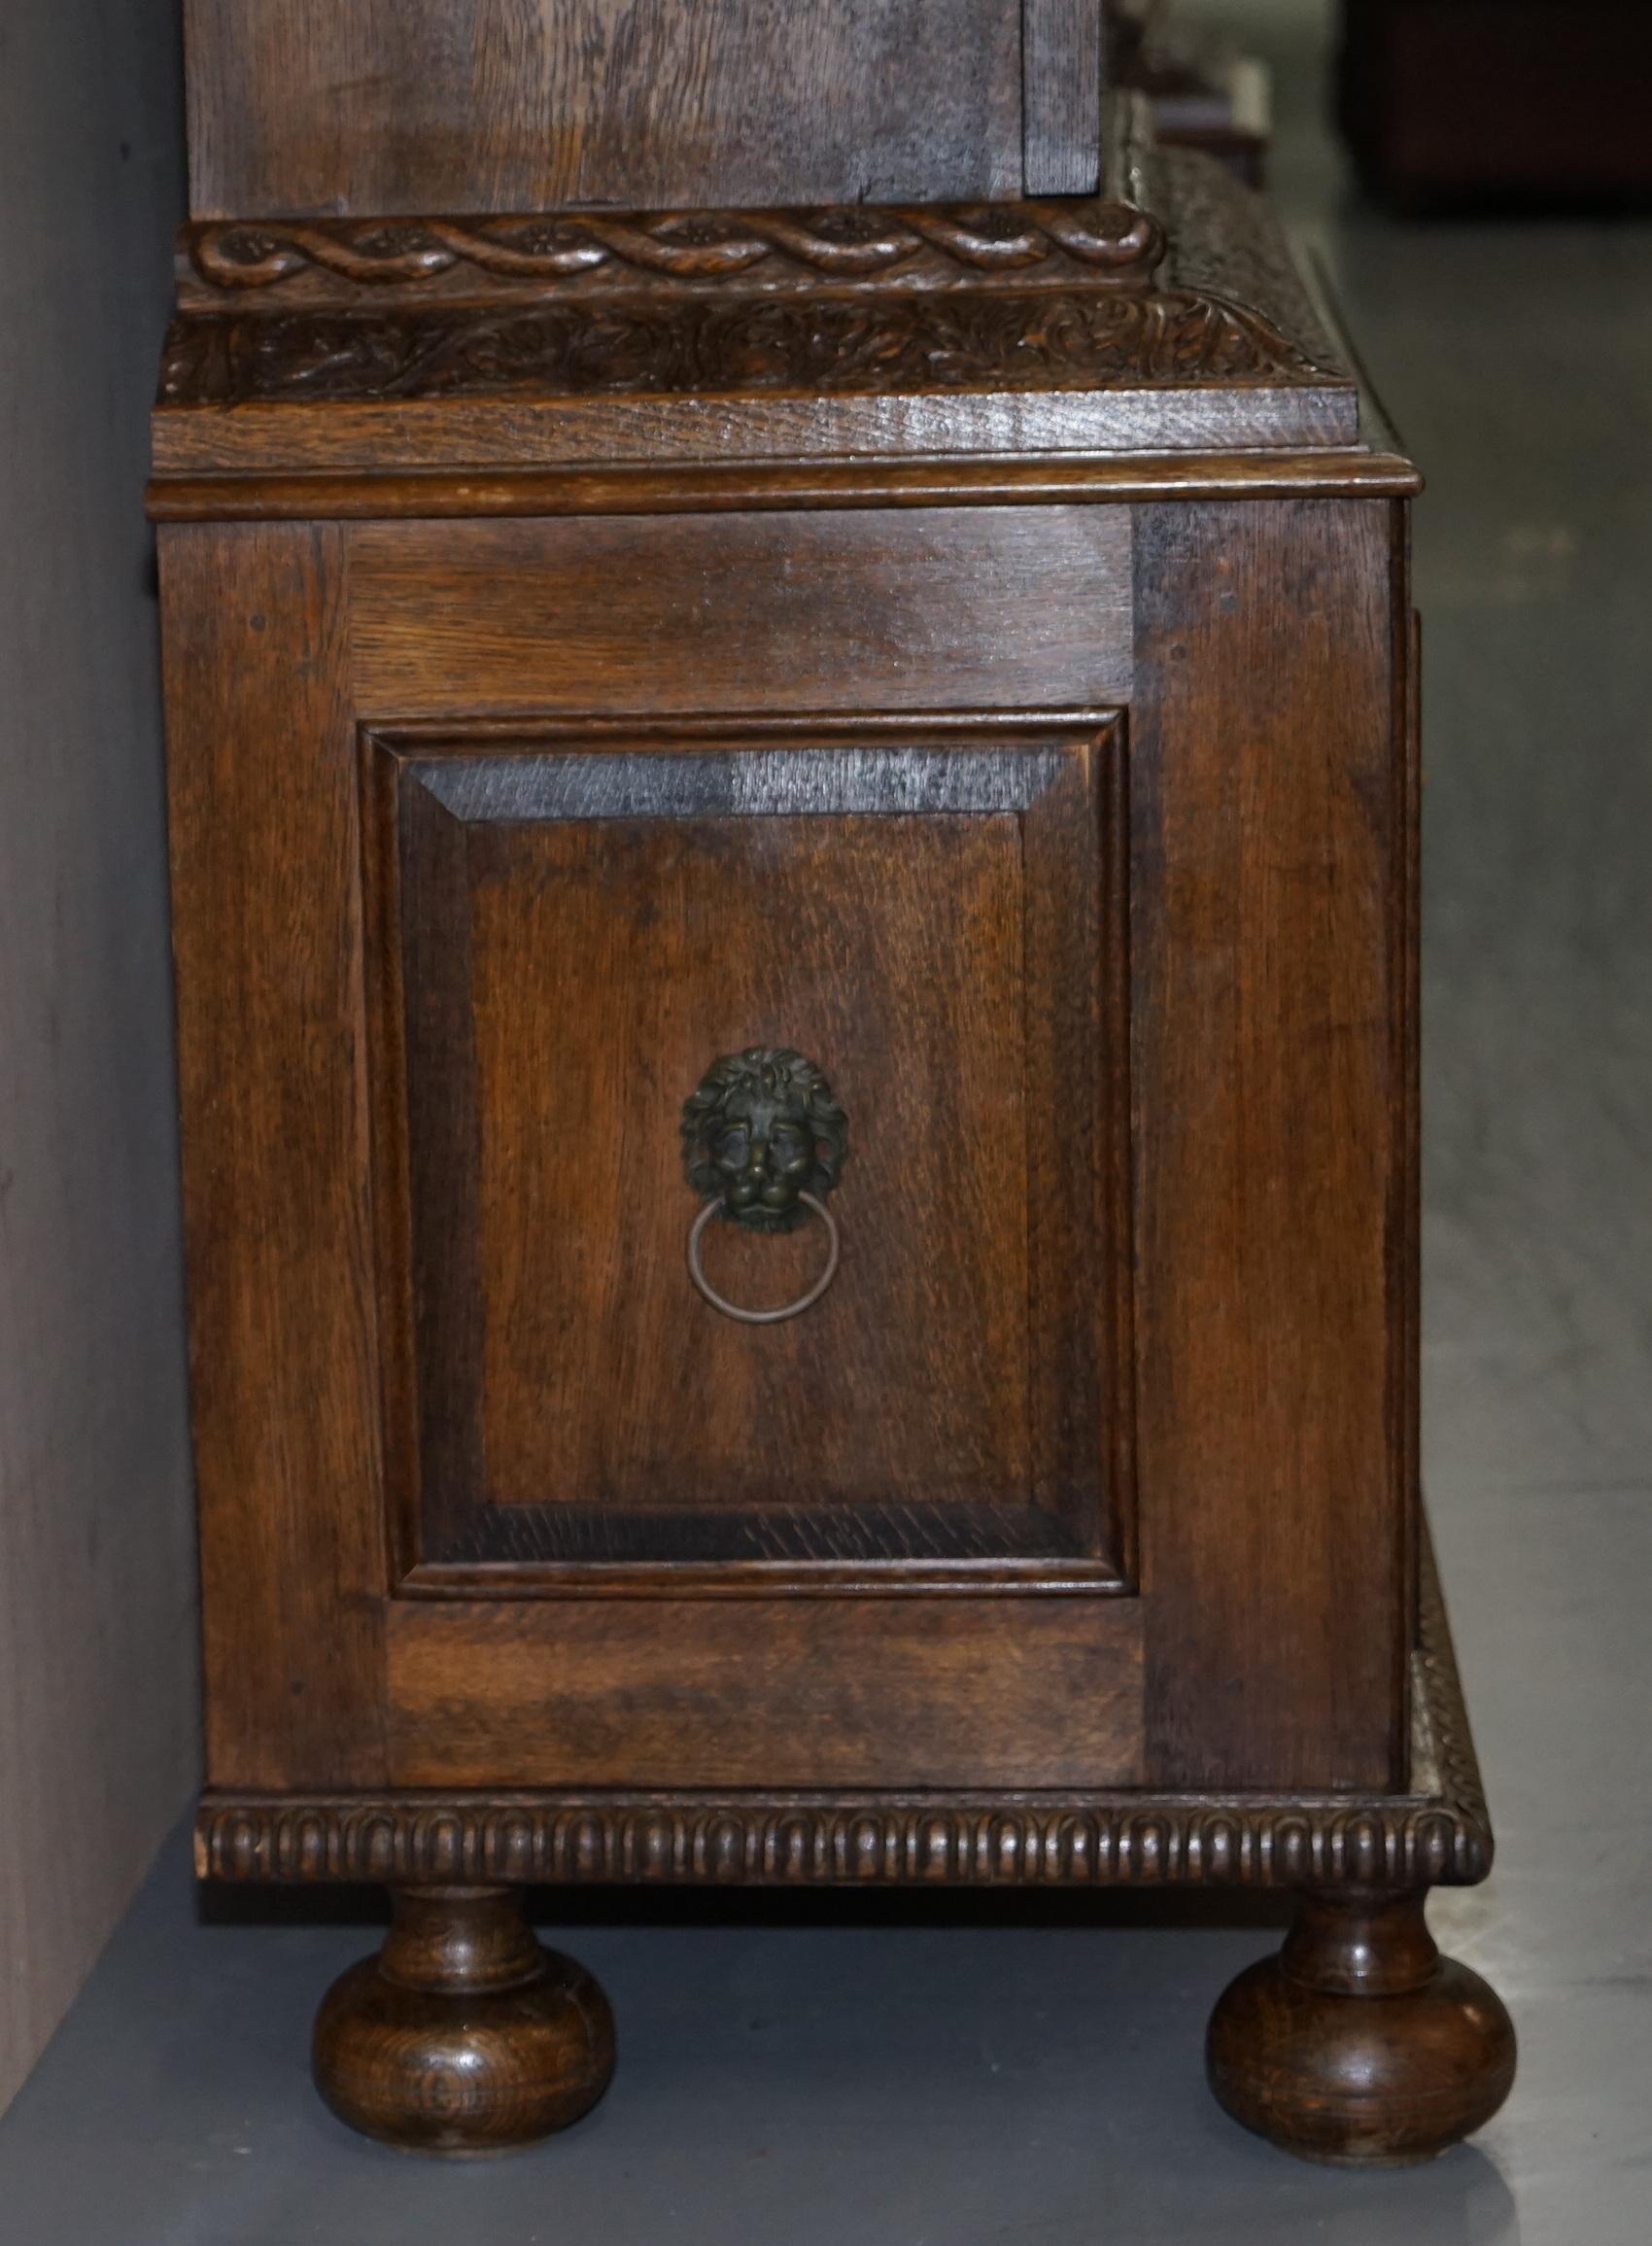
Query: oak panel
point(387, 106)
point(1018, 431)
point(1039, 1692)
point(267, 936)
point(587, 917)
point(1061, 66)
point(890, 949)
point(1434, 1832)
point(1272, 1063)
point(920, 610)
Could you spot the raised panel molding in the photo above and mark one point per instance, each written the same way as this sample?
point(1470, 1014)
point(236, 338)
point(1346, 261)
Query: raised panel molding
point(469, 1522)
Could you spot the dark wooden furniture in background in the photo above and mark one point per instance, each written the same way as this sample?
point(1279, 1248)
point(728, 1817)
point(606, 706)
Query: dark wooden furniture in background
point(1526, 104)
point(921, 698)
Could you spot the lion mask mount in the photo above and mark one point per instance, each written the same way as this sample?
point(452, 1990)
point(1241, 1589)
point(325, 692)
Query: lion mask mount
point(762, 1129)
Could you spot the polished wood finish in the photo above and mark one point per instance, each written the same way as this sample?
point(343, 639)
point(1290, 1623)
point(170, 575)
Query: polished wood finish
point(272, 1074)
point(439, 627)
point(1321, 1699)
point(741, 258)
point(440, 494)
point(1268, 964)
point(1063, 51)
point(756, 612)
point(927, 1334)
point(1435, 1831)
point(811, 1692)
point(529, 105)
point(962, 1402)
point(533, 419)
point(969, 645)
point(1359, 2044)
point(1050, 328)
point(462, 2035)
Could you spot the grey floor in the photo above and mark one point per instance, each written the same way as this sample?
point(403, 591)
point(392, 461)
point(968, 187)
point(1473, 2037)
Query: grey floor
point(1007, 2078)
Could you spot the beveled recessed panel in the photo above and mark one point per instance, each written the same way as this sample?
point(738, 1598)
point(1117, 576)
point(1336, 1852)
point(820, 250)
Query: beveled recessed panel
point(571, 926)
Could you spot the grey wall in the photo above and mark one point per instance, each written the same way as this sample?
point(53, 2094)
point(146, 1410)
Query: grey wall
point(97, 1640)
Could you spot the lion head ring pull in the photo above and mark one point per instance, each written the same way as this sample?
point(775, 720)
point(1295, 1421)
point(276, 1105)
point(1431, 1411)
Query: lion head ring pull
point(763, 1143)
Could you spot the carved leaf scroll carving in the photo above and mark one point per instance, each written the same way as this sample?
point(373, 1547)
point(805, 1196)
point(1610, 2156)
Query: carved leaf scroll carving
point(825, 345)
point(1050, 296)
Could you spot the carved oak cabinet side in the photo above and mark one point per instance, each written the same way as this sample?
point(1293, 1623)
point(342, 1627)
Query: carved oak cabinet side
point(921, 696)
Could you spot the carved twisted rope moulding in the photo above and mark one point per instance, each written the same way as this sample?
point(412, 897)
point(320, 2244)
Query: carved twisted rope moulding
point(972, 242)
point(1013, 296)
point(816, 1839)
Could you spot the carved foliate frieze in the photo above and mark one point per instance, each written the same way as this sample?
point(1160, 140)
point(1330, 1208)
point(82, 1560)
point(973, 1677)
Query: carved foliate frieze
point(1224, 244)
point(1011, 298)
point(825, 346)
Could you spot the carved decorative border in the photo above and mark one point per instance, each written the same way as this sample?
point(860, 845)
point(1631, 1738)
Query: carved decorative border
point(825, 345)
point(1437, 1700)
point(1225, 244)
point(809, 1839)
point(915, 246)
point(998, 298)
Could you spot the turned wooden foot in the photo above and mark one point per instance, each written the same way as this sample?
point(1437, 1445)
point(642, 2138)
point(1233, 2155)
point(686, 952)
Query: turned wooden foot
point(1360, 2043)
point(462, 2035)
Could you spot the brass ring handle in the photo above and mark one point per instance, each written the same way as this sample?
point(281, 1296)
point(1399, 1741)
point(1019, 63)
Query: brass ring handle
point(697, 1269)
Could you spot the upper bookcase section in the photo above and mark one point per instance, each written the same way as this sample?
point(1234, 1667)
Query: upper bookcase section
point(382, 108)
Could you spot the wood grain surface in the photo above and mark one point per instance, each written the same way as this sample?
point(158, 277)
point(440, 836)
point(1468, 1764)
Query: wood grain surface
point(463, 2037)
point(923, 609)
point(272, 1068)
point(1032, 1692)
point(1272, 1097)
point(831, 912)
point(1062, 45)
point(368, 437)
point(491, 836)
point(1432, 1831)
point(441, 494)
point(892, 949)
point(520, 105)
point(585, 924)
point(1359, 2044)
point(1272, 1047)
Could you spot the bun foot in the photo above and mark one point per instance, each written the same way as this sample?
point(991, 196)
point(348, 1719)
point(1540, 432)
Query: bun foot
point(1359, 2044)
point(462, 2035)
